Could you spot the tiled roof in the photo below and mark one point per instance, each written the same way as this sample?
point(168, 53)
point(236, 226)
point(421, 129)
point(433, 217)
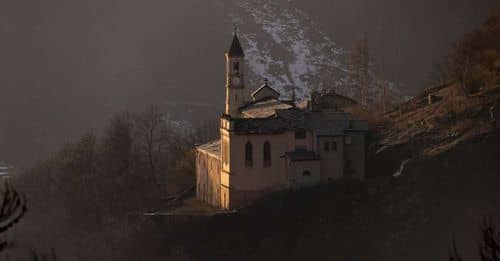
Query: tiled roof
point(290, 119)
point(261, 126)
point(331, 101)
point(328, 124)
point(292, 114)
point(338, 96)
point(212, 148)
point(264, 108)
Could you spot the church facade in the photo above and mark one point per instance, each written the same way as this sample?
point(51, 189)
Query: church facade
point(268, 144)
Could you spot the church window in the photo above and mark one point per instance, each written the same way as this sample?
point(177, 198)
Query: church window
point(236, 68)
point(248, 154)
point(334, 146)
point(267, 154)
point(300, 135)
point(326, 146)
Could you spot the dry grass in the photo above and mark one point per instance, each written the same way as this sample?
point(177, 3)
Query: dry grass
point(440, 126)
point(373, 119)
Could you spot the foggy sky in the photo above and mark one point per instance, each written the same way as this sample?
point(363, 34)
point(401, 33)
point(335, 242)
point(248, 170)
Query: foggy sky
point(66, 66)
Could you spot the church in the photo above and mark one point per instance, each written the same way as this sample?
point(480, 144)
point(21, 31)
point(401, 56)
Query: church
point(268, 144)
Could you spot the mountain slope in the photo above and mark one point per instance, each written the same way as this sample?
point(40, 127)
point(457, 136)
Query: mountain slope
point(283, 44)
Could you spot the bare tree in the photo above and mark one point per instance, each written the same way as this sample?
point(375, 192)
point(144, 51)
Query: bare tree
point(359, 78)
point(383, 95)
point(12, 210)
point(453, 253)
point(152, 136)
point(472, 58)
point(439, 74)
point(489, 246)
point(119, 162)
point(118, 143)
point(489, 243)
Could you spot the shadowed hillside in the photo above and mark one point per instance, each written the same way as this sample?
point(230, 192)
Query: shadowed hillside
point(412, 217)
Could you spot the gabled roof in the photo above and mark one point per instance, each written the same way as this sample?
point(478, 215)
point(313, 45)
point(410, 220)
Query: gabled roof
point(264, 87)
point(235, 50)
point(212, 148)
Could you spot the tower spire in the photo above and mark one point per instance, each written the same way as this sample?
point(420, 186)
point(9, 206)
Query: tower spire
point(235, 50)
point(235, 81)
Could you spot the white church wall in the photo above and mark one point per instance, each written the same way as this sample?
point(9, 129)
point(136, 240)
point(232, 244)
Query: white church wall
point(208, 179)
point(304, 174)
point(257, 176)
point(331, 151)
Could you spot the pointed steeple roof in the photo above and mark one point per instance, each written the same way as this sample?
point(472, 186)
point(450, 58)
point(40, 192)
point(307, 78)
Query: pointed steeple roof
point(236, 50)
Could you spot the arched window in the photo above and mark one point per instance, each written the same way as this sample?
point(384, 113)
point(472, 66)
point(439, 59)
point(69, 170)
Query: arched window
point(267, 154)
point(248, 154)
point(236, 68)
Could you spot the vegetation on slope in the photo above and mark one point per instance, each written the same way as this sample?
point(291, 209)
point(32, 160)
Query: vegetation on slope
point(464, 102)
point(413, 217)
point(84, 193)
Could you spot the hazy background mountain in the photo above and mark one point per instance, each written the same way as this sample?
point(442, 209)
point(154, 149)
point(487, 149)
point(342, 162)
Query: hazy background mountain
point(66, 66)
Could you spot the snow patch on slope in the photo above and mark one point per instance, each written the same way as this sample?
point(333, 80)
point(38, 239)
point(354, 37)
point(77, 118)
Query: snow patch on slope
point(285, 47)
point(401, 168)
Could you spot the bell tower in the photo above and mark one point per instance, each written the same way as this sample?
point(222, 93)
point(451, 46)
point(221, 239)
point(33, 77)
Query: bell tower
point(235, 84)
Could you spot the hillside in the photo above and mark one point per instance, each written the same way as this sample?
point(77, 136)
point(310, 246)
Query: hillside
point(449, 183)
point(409, 211)
point(448, 119)
point(283, 44)
point(412, 211)
point(412, 217)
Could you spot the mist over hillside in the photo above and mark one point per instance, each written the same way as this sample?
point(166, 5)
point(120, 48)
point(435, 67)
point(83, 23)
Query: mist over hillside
point(67, 66)
point(284, 46)
point(132, 87)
